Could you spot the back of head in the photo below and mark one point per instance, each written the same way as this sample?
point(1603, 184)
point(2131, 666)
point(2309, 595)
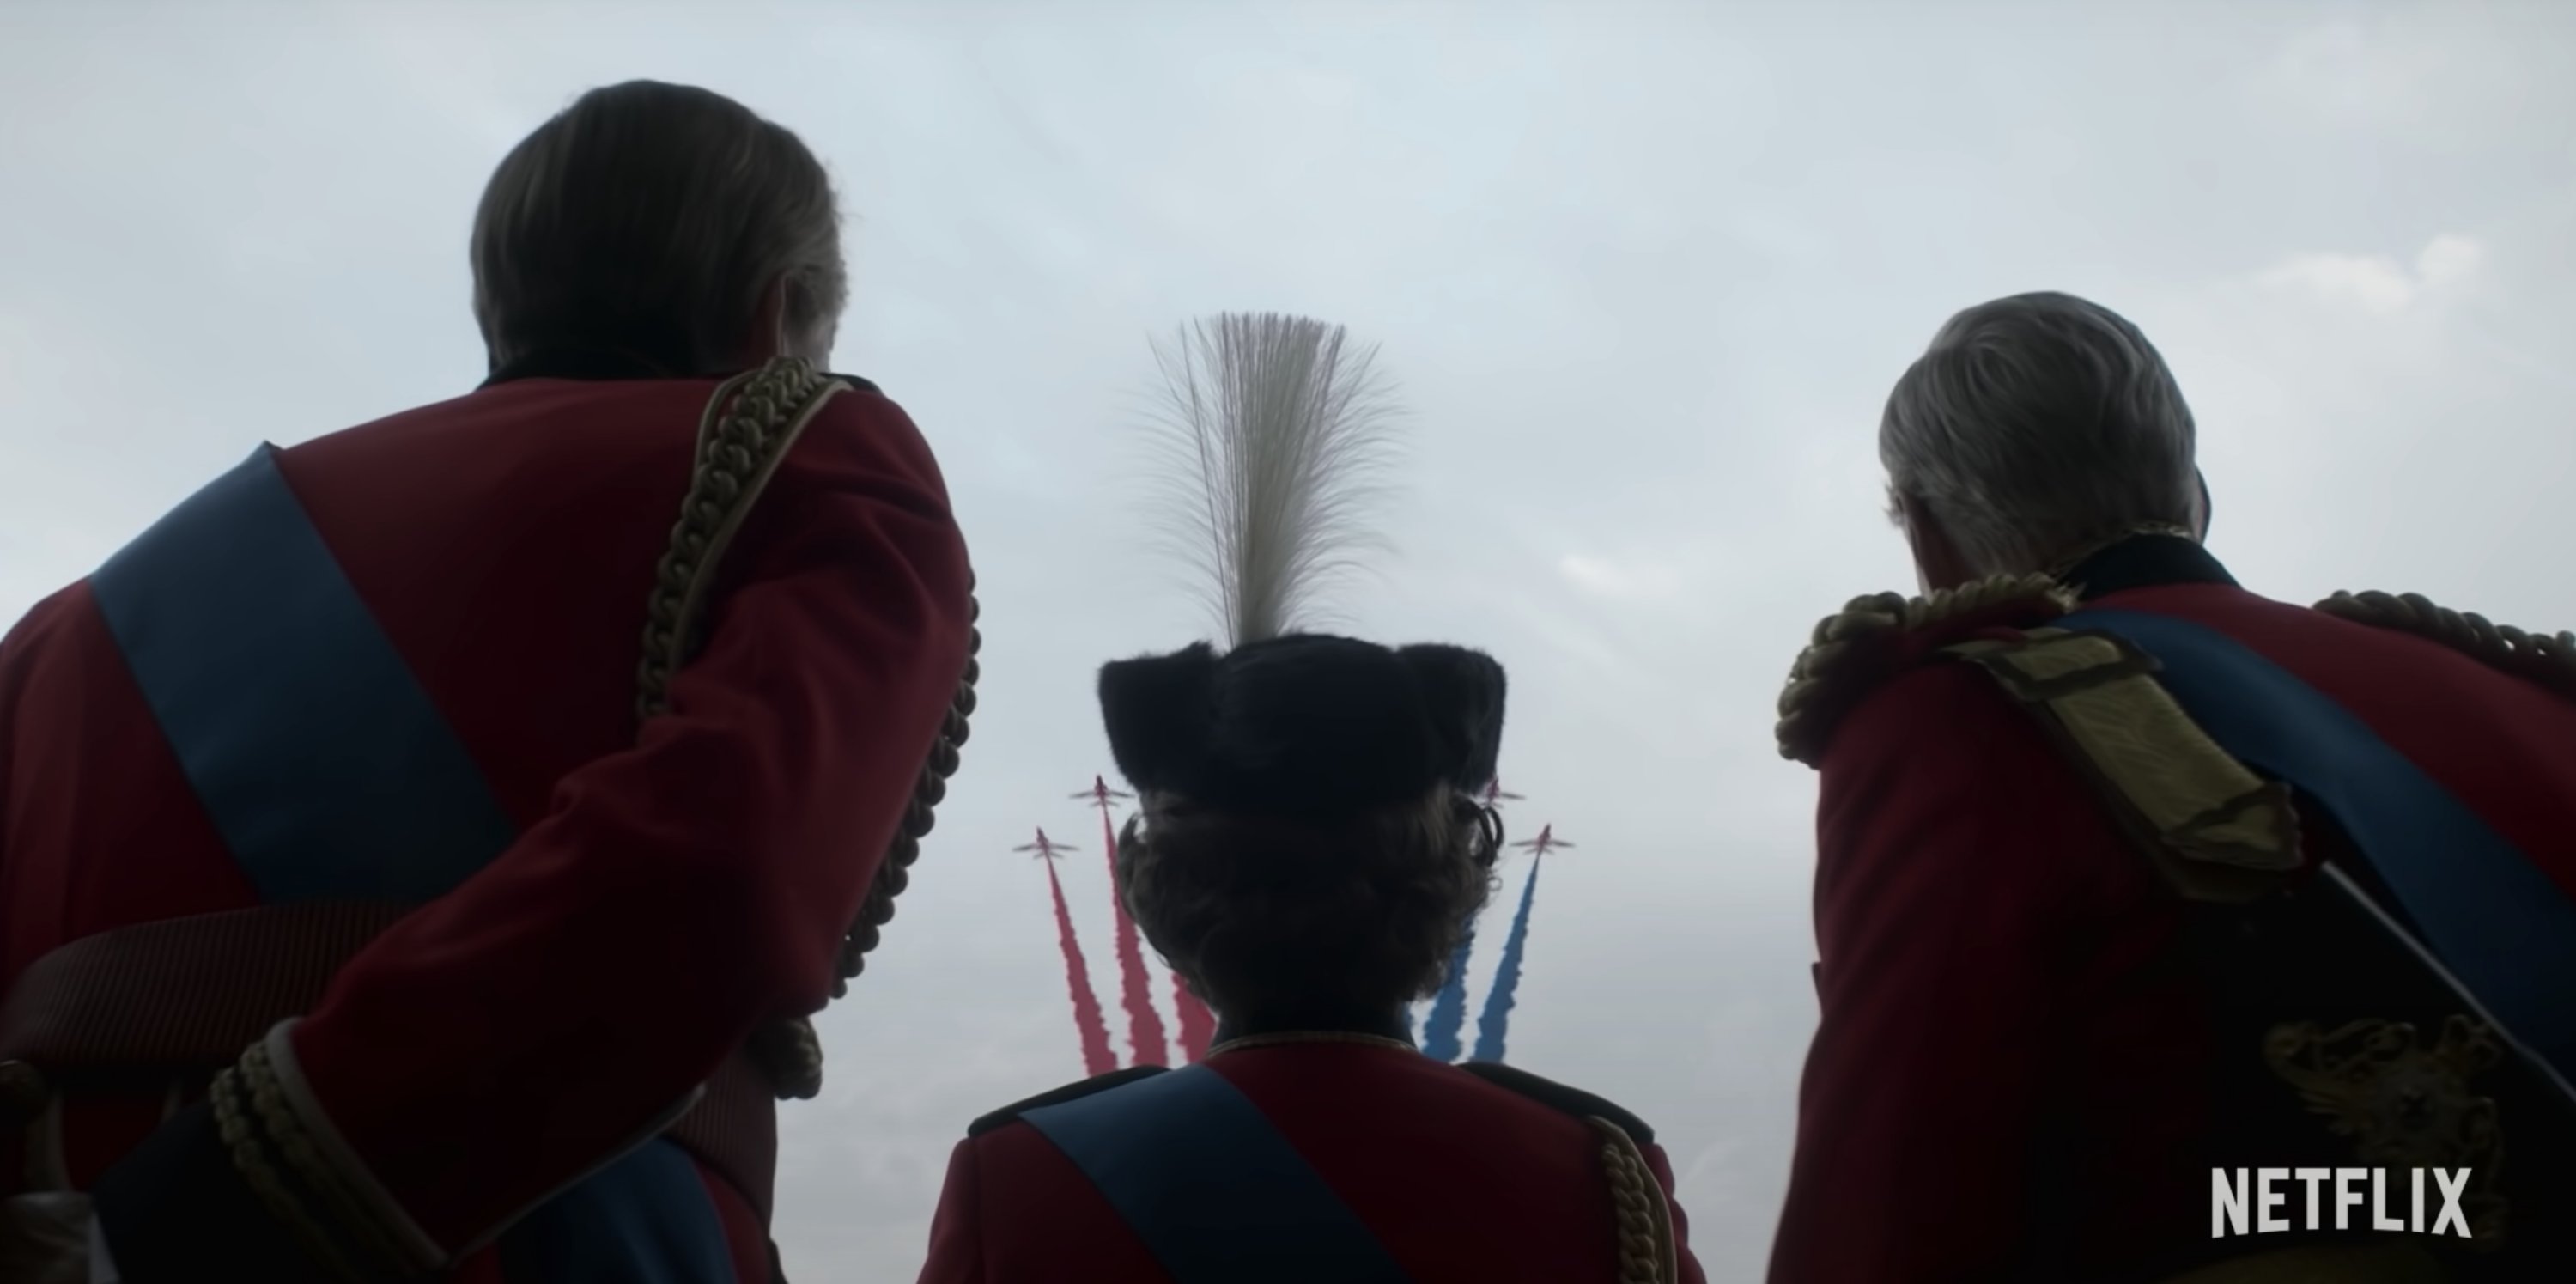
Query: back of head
point(1307, 851)
point(2037, 424)
point(649, 220)
point(1307, 922)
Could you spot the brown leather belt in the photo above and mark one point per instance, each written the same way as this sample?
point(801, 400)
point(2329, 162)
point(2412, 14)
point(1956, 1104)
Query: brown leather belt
point(186, 995)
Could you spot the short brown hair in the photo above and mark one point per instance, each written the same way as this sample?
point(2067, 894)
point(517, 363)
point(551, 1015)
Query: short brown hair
point(648, 219)
point(1255, 913)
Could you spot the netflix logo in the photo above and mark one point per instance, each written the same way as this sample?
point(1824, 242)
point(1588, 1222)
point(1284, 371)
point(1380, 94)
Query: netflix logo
point(2235, 1201)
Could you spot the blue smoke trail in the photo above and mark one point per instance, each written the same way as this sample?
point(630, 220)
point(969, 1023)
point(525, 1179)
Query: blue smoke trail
point(1507, 976)
point(1449, 1008)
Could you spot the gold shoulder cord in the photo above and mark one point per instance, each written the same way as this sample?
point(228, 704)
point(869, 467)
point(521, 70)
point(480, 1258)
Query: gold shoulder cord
point(1834, 671)
point(750, 424)
point(2548, 659)
point(1647, 1253)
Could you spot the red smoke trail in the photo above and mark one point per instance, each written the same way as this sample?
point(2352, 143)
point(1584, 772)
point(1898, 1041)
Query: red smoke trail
point(1198, 1025)
point(1097, 1058)
point(1096, 1055)
point(1144, 1024)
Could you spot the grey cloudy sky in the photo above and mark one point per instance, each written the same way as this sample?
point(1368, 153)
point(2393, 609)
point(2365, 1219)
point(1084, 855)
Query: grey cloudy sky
point(1643, 273)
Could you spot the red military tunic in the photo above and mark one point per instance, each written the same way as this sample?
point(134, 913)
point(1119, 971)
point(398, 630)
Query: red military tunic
point(1460, 1179)
point(665, 896)
point(1985, 932)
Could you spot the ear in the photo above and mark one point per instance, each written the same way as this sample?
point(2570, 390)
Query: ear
point(768, 336)
point(1937, 563)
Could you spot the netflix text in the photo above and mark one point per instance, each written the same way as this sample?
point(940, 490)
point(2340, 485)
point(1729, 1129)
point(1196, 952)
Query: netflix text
point(2335, 1200)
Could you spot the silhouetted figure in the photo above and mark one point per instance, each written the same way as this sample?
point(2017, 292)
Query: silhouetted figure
point(2124, 871)
point(1307, 854)
point(510, 811)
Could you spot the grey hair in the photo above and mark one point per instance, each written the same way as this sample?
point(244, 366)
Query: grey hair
point(2035, 425)
point(649, 219)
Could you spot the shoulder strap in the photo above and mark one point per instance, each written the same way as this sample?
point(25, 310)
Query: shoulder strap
point(2215, 830)
point(2499, 925)
point(1649, 1253)
point(1074, 1091)
point(1218, 1196)
point(1548, 1092)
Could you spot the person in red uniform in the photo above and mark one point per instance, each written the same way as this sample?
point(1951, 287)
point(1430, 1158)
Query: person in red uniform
point(2132, 882)
point(1306, 858)
point(412, 740)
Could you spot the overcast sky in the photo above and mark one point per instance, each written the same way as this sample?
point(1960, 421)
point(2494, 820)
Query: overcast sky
point(1643, 275)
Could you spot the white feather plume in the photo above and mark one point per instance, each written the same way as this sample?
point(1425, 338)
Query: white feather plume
point(1277, 433)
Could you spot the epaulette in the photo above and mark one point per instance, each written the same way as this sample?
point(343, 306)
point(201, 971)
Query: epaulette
point(1550, 1093)
point(1875, 638)
point(2549, 660)
point(2215, 830)
point(1069, 1092)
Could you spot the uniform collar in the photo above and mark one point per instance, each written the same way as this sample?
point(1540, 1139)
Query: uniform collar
point(605, 365)
point(2144, 561)
point(1241, 1042)
point(578, 363)
point(1310, 1028)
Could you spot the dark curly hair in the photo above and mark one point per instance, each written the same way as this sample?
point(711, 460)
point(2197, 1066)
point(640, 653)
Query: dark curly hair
point(1286, 918)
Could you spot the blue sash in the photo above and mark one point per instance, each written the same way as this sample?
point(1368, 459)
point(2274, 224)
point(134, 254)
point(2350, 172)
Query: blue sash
point(330, 775)
point(1215, 1192)
point(2496, 923)
point(645, 1219)
point(315, 752)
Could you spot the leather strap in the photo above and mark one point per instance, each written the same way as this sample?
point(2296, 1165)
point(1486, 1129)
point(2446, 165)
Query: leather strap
point(182, 993)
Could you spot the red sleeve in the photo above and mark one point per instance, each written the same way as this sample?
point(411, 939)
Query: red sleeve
point(506, 1039)
point(1946, 828)
point(957, 1229)
point(1662, 1167)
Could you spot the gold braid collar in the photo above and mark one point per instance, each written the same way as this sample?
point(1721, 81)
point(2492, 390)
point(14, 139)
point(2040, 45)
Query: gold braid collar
point(1874, 638)
point(2549, 660)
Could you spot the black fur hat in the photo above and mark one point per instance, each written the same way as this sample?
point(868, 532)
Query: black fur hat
point(1307, 725)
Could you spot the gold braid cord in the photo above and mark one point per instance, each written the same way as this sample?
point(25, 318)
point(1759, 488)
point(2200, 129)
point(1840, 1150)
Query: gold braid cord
point(750, 424)
point(1647, 1253)
point(252, 1157)
point(2546, 659)
point(300, 1186)
point(1837, 669)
